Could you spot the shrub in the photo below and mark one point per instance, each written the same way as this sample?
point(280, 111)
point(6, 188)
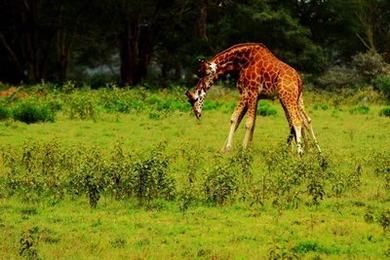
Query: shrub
point(362, 109)
point(221, 184)
point(116, 100)
point(320, 106)
point(28, 243)
point(280, 252)
point(31, 111)
point(55, 104)
point(306, 246)
point(265, 109)
point(119, 173)
point(384, 220)
point(370, 64)
point(382, 167)
point(151, 177)
point(82, 106)
point(89, 178)
point(4, 112)
point(339, 77)
point(385, 112)
point(382, 83)
point(155, 115)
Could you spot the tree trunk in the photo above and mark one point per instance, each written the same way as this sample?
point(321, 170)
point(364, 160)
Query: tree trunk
point(36, 40)
point(63, 55)
point(129, 38)
point(177, 71)
point(367, 18)
point(31, 49)
point(201, 24)
point(135, 51)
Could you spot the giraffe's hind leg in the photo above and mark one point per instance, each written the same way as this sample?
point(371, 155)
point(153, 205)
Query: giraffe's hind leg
point(291, 135)
point(295, 122)
point(307, 122)
point(250, 122)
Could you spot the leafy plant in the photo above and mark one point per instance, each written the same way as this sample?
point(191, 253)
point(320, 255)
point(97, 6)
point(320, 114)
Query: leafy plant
point(119, 173)
point(89, 178)
point(151, 177)
point(221, 183)
point(4, 112)
point(370, 64)
point(362, 109)
point(189, 193)
point(338, 77)
point(33, 111)
point(277, 252)
point(382, 83)
point(320, 106)
point(385, 112)
point(265, 109)
point(384, 220)
point(382, 167)
point(82, 106)
point(28, 243)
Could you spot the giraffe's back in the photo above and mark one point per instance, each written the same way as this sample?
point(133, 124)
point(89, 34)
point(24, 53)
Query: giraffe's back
point(275, 77)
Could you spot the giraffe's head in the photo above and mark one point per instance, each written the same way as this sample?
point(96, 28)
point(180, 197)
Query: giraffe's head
point(196, 99)
point(207, 68)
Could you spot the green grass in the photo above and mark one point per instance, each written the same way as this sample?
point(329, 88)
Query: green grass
point(349, 222)
point(71, 229)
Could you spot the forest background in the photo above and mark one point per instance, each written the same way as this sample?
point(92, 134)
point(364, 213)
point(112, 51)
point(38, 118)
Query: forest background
point(336, 44)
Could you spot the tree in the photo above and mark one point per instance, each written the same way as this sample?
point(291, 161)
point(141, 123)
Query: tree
point(374, 20)
point(36, 37)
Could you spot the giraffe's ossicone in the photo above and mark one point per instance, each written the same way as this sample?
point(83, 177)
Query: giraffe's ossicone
point(261, 75)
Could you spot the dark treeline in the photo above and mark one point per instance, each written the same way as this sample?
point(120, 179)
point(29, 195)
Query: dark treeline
point(136, 40)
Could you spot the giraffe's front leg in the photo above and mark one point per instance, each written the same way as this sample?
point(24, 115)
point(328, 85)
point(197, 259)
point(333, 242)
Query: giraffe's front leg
point(250, 123)
point(235, 121)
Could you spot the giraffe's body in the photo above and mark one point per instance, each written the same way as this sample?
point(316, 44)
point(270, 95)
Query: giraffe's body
point(261, 75)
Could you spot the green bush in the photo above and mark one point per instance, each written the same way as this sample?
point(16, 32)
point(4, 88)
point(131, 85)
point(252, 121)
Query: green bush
point(212, 105)
point(385, 112)
point(362, 109)
point(221, 184)
point(370, 64)
point(320, 106)
point(265, 109)
point(306, 246)
point(82, 106)
point(338, 77)
point(155, 115)
point(151, 177)
point(383, 84)
point(32, 111)
point(55, 104)
point(117, 100)
point(4, 112)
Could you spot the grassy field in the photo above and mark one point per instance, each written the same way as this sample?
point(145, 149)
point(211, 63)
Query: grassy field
point(146, 180)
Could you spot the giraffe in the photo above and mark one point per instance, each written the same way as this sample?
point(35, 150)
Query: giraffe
point(261, 76)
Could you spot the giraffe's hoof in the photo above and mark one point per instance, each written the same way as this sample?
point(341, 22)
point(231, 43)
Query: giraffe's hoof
point(226, 149)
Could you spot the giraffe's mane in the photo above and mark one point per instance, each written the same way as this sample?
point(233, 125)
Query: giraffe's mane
point(240, 45)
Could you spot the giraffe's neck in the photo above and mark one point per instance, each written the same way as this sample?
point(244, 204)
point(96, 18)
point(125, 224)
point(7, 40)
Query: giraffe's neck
point(230, 60)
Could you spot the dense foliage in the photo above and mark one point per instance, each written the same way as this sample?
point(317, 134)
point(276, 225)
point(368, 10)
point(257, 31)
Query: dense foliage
point(132, 41)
